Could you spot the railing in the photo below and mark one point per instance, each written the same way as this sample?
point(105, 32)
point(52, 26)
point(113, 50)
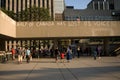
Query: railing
point(116, 52)
point(4, 56)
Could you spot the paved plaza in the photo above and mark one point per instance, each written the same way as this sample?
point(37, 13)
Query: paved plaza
point(84, 68)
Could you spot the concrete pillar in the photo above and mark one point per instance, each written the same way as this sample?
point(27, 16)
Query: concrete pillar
point(41, 5)
point(55, 43)
point(23, 4)
point(14, 44)
point(98, 5)
point(50, 7)
point(106, 46)
point(93, 5)
point(19, 5)
point(107, 5)
point(10, 45)
point(6, 4)
point(19, 43)
point(36, 3)
point(28, 43)
point(28, 4)
point(10, 5)
point(45, 4)
point(32, 3)
point(6, 45)
point(2, 45)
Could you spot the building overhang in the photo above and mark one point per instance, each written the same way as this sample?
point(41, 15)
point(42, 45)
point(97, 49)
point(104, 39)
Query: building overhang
point(57, 29)
point(7, 25)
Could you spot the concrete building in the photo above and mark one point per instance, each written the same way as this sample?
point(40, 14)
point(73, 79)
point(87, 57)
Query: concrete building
point(55, 7)
point(46, 34)
point(59, 7)
point(61, 33)
point(100, 10)
point(104, 5)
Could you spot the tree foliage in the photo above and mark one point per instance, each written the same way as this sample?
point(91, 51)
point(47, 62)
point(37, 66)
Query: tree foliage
point(9, 13)
point(30, 14)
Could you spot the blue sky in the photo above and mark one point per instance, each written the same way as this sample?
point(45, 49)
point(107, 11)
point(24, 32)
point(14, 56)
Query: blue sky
point(78, 4)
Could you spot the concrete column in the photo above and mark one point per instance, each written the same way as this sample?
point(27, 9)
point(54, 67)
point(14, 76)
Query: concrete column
point(23, 4)
point(14, 44)
point(22, 43)
point(19, 43)
point(28, 43)
point(10, 45)
point(55, 43)
point(50, 7)
point(106, 46)
point(28, 3)
point(45, 4)
point(107, 5)
point(41, 5)
point(36, 3)
point(93, 5)
point(19, 5)
point(32, 3)
point(6, 4)
point(10, 5)
point(69, 43)
point(6, 45)
point(98, 5)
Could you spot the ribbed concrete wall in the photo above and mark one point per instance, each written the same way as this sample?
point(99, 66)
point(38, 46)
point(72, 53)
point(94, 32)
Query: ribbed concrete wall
point(68, 29)
point(7, 25)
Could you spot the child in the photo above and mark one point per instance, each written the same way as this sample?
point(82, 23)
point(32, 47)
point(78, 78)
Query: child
point(62, 55)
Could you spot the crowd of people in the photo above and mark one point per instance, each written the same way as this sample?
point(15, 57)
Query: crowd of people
point(65, 53)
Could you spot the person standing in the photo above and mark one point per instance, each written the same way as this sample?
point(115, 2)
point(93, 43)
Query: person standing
point(69, 54)
point(20, 54)
point(13, 53)
point(99, 50)
point(56, 54)
point(94, 53)
point(78, 51)
point(62, 55)
point(27, 55)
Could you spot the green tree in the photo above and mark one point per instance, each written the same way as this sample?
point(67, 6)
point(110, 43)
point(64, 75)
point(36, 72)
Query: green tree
point(35, 14)
point(9, 13)
point(30, 14)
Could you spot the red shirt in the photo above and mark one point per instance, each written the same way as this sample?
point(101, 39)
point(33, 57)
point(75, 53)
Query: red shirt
point(62, 55)
point(13, 51)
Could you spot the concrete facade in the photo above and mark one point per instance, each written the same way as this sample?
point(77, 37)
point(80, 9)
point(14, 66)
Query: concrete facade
point(58, 28)
point(29, 32)
point(7, 25)
point(97, 10)
point(67, 29)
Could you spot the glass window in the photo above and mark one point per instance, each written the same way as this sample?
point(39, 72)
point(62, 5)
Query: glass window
point(12, 5)
point(111, 6)
point(21, 5)
point(48, 4)
point(101, 6)
point(25, 4)
point(96, 6)
point(8, 4)
point(43, 3)
point(34, 2)
point(38, 3)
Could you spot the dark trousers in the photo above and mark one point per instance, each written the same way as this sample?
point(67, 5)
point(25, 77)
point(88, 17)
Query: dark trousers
point(28, 58)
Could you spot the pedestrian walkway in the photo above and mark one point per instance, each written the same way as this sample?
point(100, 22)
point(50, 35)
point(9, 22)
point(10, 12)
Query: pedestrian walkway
point(84, 68)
